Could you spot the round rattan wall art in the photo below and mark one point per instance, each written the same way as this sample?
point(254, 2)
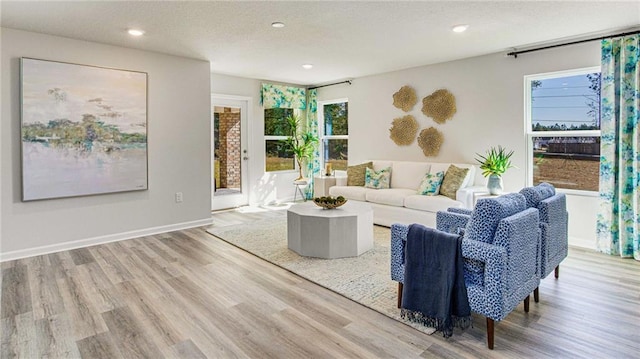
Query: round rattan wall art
point(440, 106)
point(430, 140)
point(403, 130)
point(405, 98)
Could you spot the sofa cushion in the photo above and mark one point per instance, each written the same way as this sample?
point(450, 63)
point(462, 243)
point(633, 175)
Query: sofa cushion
point(392, 196)
point(356, 193)
point(489, 212)
point(430, 203)
point(408, 174)
point(378, 165)
point(356, 173)
point(377, 179)
point(453, 179)
point(430, 185)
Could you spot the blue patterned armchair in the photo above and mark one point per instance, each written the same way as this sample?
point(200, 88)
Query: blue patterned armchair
point(554, 221)
point(501, 249)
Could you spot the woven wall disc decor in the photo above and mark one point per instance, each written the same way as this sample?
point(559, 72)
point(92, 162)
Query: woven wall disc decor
point(405, 98)
point(440, 105)
point(403, 130)
point(430, 140)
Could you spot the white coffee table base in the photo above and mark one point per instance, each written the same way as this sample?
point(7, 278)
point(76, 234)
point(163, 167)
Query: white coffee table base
point(346, 231)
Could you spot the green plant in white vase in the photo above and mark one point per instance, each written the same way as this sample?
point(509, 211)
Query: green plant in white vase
point(493, 165)
point(302, 144)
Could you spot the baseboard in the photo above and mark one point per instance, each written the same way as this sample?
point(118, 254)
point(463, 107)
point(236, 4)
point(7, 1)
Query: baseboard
point(30, 252)
point(582, 243)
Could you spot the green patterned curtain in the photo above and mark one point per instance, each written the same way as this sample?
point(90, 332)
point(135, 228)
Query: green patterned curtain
point(313, 166)
point(618, 226)
point(278, 96)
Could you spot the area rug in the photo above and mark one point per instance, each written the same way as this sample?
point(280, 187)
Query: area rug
point(364, 279)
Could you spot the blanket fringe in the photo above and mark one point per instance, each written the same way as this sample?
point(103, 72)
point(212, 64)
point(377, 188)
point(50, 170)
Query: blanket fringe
point(438, 324)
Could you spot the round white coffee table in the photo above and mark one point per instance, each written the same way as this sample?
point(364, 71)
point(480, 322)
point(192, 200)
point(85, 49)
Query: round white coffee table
point(346, 231)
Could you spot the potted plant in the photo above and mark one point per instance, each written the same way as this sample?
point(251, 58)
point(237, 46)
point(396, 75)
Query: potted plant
point(493, 165)
point(302, 144)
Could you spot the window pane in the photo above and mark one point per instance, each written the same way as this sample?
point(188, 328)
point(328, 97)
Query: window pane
point(566, 103)
point(336, 152)
point(275, 121)
point(278, 158)
point(336, 119)
point(567, 162)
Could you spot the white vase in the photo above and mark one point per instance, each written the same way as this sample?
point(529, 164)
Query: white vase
point(494, 184)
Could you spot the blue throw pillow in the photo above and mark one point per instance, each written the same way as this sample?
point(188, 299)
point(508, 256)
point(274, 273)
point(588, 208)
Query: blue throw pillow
point(377, 179)
point(430, 185)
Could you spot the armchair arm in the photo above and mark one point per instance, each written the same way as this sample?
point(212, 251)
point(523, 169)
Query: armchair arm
point(451, 222)
point(398, 239)
point(464, 211)
point(490, 263)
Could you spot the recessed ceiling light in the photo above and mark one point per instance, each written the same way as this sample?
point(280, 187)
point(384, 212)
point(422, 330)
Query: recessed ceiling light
point(135, 32)
point(460, 28)
point(277, 24)
point(307, 66)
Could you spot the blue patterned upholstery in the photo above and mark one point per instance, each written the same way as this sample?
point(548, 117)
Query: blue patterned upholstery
point(554, 221)
point(501, 250)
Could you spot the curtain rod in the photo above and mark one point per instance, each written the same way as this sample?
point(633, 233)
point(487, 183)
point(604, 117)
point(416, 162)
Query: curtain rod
point(516, 53)
point(335, 83)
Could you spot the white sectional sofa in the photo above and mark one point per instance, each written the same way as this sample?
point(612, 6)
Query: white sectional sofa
point(401, 203)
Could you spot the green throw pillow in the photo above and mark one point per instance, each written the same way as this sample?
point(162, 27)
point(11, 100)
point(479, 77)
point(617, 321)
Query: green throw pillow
point(452, 181)
point(430, 185)
point(355, 174)
point(377, 179)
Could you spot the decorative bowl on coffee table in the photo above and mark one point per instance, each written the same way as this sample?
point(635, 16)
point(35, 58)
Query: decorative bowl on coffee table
point(329, 202)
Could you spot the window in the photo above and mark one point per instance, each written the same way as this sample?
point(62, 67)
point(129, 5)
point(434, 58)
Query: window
point(333, 123)
point(276, 129)
point(563, 128)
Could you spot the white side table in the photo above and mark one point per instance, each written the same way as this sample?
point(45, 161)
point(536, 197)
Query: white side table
point(321, 185)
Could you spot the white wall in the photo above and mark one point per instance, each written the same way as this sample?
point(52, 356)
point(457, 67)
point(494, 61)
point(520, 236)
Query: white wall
point(263, 187)
point(489, 93)
point(178, 149)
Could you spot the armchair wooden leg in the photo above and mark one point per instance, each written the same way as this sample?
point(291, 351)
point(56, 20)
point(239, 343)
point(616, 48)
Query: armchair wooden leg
point(400, 285)
point(536, 294)
point(557, 271)
point(490, 333)
point(526, 304)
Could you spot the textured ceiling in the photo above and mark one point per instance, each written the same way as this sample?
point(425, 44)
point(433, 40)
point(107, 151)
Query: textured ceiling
point(341, 39)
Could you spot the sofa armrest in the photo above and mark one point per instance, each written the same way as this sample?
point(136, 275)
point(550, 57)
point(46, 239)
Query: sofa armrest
point(465, 195)
point(341, 180)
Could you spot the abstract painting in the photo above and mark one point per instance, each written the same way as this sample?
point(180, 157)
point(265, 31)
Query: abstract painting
point(83, 129)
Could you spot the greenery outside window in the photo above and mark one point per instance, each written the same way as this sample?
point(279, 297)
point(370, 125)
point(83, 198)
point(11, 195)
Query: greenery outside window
point(333, 126)
point(563, 129)
point(276, 129)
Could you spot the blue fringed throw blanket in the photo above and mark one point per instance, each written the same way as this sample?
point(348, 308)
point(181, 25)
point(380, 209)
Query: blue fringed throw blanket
point(434, 293)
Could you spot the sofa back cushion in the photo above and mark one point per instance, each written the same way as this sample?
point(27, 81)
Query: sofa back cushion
point(356, 173)
point(488, 213)
point(408, 174)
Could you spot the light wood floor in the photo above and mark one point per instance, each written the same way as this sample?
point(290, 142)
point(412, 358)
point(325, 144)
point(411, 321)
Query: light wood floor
point(186, 294)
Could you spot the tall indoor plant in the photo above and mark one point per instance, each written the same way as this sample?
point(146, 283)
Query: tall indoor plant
point(301, 143)
point(493, 165)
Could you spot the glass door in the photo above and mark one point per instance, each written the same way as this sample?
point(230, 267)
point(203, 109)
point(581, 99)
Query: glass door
point(229, 153)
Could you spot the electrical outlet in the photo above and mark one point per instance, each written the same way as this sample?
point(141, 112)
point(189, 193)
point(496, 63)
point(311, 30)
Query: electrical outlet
point(178, 197)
